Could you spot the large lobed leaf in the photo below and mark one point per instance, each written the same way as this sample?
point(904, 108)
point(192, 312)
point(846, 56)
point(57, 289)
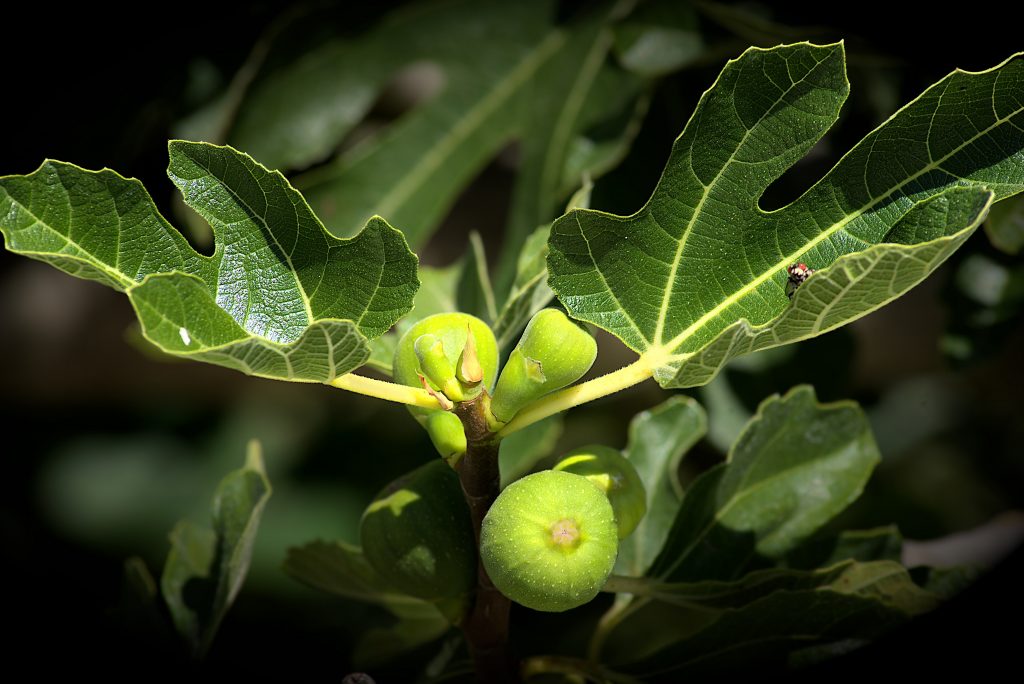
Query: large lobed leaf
point(699, 274)
point(280, 297)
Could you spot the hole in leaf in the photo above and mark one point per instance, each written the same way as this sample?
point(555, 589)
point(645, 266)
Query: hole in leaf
point(795, 181)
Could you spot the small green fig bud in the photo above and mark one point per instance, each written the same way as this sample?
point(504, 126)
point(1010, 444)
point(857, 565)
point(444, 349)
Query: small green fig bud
point(446, 432)
point(549, 541)
point(417, 534)
point(456, 336)
point(616, 477)
point(452, 331)
point(437, 367)
point(552, 353)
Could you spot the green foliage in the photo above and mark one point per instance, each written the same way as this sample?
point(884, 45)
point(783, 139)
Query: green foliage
point(206, 567)
point(342, 570)
point(745, 564)
point(658, 440)
point(1005, 225)
point(860, 604)
point(530, 292)
point(699, 275)
point(279, 298)
point(417, 534)
point(795, 466)
point(505, 71)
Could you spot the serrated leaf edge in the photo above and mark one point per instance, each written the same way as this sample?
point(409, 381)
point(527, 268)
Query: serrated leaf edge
point(282, 348)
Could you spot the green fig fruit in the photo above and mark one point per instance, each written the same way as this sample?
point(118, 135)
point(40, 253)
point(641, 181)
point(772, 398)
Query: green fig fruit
point(616, 477)
point(417, 534)
point(549, 541)
point(453, 353)
point(553, 352)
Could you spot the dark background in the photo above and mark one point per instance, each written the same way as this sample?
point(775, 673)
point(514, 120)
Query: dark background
point(102, 87)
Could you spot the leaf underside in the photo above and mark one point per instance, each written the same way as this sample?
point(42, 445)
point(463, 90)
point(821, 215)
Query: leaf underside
point(699, 274)
point(280, 297)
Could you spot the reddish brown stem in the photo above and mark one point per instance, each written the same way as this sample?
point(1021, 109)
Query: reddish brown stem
point(486, 626)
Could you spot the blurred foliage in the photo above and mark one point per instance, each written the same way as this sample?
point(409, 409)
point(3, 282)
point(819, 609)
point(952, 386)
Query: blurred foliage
point(1005, 226)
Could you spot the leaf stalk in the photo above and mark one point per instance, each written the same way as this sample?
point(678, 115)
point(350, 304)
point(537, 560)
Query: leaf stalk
point(389, 391)
point(556, 402)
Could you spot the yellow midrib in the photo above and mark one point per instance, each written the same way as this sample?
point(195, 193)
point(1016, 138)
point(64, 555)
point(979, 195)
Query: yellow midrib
point(666, 351)
point(698, 210)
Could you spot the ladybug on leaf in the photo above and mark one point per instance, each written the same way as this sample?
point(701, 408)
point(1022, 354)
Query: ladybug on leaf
point(798, 273)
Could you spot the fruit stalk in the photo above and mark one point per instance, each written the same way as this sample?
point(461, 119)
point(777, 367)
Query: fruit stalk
point(486, 626)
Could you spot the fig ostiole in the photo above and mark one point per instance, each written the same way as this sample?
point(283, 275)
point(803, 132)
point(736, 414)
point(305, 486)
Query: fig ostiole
point(616, 477)
point(552, 353)
point(453, 356)
point(549, 541)
point(417, 534)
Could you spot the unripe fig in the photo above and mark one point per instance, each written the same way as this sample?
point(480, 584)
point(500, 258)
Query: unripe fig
point(452, 343)
point(451, 330)
point(616, 477)
point(417, 534)
point(446, 433)
point(552, 353)
point(549, 541)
